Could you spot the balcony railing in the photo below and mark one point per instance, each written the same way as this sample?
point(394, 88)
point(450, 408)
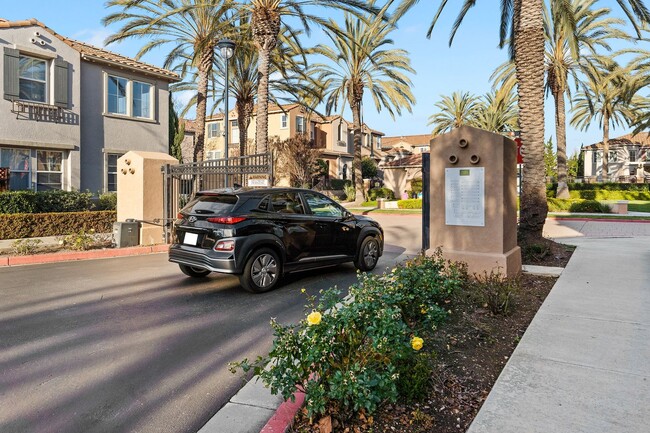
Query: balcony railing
point(38, 111)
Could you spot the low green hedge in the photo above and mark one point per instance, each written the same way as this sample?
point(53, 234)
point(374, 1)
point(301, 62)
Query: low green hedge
point(603, 186)
point(13, 202)
point(577, 205)
point(376, 193)
point(28, 225)
point(411, 203)
point(610, 195)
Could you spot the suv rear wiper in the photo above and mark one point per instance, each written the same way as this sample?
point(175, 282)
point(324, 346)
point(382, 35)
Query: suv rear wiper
point(203, 211)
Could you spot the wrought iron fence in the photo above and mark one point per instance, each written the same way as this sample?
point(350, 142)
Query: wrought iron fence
point(181, 182)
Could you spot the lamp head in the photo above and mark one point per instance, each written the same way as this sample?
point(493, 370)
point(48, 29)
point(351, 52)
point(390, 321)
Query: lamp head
point(226, 47)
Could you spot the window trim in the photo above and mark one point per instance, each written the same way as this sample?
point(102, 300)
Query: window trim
point(37, 171)
point(46, 82)
point(107, 155)
point(129, 97)
point(218, 128)
point(284, 121)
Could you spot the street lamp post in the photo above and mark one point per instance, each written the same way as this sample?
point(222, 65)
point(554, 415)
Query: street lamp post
point(226, 48)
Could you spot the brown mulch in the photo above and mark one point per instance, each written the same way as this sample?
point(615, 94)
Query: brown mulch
point(471, 350)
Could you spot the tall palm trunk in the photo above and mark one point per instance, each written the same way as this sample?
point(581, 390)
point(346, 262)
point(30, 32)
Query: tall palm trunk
point(356, 161)
point(605, 170)
point(529, 62)
point(266, 28)
point(244, 113)
point(204, 68)
point(355, 96)
point(560, 133)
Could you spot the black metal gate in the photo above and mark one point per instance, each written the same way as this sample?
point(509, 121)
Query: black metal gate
point(181, 182)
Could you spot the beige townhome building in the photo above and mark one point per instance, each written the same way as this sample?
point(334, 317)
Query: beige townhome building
point(629, 159)
point(331, 134)
point(70, 109)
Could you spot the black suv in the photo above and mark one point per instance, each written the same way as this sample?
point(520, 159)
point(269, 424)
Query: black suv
point(261, 234)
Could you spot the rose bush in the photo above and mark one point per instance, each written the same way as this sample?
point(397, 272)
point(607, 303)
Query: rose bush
point(346, 359)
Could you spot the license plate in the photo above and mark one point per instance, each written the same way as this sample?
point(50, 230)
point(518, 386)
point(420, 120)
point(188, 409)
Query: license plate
point(190, 238)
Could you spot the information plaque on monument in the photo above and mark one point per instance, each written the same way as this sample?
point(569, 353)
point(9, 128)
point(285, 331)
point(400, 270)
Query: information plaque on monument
point(465, 196)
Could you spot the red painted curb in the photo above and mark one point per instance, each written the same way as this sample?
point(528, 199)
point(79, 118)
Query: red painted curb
point(284, 415)
point(80, 255)
point(600, 220)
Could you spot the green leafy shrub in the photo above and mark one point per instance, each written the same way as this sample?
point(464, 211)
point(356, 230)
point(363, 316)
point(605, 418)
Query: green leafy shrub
point(81, 241)
point(23, 247)
point(19, 226)
point(347, 356)
point(414, 376)
point(107, 201)
point(416, 185)
point(410, 203)
point(376, 193)
point(369, 204)
point(589, 206)
point(573, 205)
point(350, 192)
point(12, 202)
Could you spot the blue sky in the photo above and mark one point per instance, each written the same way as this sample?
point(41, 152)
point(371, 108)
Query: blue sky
point(441, 70)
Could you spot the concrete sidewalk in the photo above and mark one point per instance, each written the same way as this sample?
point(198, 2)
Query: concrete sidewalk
point(583, 365)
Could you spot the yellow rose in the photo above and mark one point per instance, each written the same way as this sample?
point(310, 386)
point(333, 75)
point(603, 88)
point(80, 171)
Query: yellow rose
point(416, 343)
point(314, 318)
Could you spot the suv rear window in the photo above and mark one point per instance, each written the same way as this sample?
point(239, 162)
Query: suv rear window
point(211, 204)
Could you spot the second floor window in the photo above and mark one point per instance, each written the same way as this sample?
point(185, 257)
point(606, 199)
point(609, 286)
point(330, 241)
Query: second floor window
point(32, 76)
point(127, 97)
point(117, 95)
point(214, 130)
point(378, 142)
point(300, 125)
point(283, 121)
point(632, 155)
point(141, 100)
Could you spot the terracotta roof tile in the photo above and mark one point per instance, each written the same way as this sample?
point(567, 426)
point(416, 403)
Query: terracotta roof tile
point(92, 53)
point(642, 138)
point(408, 161)
point(413, 140)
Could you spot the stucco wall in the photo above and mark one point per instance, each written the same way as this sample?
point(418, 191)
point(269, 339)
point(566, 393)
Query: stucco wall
point(103, 133)
point(21, 131)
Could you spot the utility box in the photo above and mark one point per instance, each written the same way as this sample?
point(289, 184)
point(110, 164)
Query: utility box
point(474, 200)
point(126, 234)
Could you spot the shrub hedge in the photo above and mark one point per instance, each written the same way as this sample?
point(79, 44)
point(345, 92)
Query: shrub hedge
point(604, 191)
point(14, 202)
point(28, 225)
point(411, 203)
point(577, 205)
point(376, 193)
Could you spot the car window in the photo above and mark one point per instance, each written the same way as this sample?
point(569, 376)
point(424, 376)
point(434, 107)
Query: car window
point(323, 206)
point(286, 203)
point(211, 204)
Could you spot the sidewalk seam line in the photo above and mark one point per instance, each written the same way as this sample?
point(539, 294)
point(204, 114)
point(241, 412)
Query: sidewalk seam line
point(596, 319)
point(575, 364)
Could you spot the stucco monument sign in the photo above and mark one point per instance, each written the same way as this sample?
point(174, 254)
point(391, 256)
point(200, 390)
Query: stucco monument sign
point(473, 200)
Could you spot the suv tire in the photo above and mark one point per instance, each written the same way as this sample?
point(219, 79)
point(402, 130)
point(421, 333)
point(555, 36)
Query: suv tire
point(193, 272)
point(368, 254)
point(262, 271)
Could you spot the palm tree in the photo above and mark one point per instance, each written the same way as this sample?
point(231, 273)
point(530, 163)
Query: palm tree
point(267, 16)
point(606, 97)
point(497, 111)
point(191, 27)
point(360, 59)
point(288, 80)
point(522, 21)
point(455, 110)
point(567, 52)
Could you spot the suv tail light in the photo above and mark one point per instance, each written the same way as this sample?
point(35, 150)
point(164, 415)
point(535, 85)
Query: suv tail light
point(225, 246)
point(226, 220)
point(180, 216)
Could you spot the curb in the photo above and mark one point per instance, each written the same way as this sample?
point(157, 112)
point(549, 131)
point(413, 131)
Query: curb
point(81, 255)
point(284, 415)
